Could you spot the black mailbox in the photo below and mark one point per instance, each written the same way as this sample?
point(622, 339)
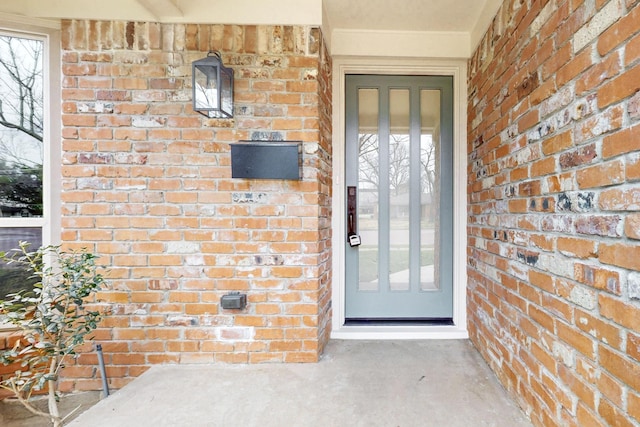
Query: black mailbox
point(266, 160)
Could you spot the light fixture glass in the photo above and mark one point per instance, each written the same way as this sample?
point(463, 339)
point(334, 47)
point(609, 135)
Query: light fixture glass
point(212, 87)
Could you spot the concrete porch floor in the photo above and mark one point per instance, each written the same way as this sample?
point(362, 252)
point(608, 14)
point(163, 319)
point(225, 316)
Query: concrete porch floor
point(357, 383)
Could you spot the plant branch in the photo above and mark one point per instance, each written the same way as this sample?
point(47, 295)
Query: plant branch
point(25, 402)
point(31, 133)
point(54, 412)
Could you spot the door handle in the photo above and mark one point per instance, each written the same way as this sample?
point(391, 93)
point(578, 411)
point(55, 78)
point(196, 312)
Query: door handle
point(352, 217)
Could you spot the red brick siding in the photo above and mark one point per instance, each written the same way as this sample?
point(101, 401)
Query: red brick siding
point(147, 185)
point(7, 341)
point(324, 178)
point(554, 191)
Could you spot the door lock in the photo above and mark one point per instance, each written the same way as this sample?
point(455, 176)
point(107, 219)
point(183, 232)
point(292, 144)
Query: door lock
point(354, 240)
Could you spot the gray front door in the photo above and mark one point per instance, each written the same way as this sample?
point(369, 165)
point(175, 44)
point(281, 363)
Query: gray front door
point(399, 186)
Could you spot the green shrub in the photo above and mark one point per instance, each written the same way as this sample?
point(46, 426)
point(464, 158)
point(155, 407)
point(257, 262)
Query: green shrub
point(51, 316)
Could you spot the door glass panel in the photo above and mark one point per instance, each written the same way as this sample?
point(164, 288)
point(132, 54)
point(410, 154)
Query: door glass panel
point(399, 194)
point(368, 186)
point(429, 181)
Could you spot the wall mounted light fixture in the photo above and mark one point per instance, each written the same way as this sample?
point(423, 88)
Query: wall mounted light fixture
point(212, 87)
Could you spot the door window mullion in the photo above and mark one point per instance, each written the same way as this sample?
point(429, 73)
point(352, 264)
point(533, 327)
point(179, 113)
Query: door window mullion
point(384, 193)
point(415, 191)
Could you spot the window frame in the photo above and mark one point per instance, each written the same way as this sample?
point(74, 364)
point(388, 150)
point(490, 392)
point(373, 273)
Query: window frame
point(49, 33)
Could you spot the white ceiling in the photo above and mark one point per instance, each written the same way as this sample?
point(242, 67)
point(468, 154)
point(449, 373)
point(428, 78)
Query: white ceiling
point(407, 28)
point(406, 15)
point(437, 28)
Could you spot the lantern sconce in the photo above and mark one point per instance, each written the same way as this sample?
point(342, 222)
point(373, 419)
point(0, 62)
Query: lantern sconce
point(212, 87)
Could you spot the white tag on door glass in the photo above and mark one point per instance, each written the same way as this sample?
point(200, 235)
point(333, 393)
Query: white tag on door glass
point(354, 240)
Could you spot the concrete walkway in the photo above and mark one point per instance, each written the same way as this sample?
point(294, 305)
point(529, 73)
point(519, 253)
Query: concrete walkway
point(357, 383)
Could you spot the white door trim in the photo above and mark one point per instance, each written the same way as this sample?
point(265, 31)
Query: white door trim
point(457, 69)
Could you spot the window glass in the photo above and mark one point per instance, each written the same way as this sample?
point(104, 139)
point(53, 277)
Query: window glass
point(21, 151)
point(13, 278)
point(368, 191)
point(430, 173)
point(21, 130)
point(399, 189)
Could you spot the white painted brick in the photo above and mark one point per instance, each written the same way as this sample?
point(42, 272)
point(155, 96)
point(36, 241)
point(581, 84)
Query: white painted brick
point(236, 333)
point(481, 244)
point(522, 274)
point(542, 18)
point(93, 183)
point(558, 100)
point(311, 148)
point(564, 353)
point(232, 260)
point(599, 23)
point(488, 182)
point(583, 297)
point(557, 265)
point(476, 122)
point(143, 122)
point(633, 283)
point(182, 247)
point(131, 187)
point(194, 260)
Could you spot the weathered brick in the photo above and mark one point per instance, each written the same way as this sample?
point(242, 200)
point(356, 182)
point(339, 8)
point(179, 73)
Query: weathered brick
point(612, 414)
point(577, 340)
point(579, 248)
point(578, 157)
point(620, 367)
point(632, 226)
point(632, 50)
point(606, 332)
point(602, 20)
point(619, 32)
point(599, 225)
point(632, 170)
point(628, 83)
point(578, 386)
point(612, 389)
point(619, 312)
point(557, 143)
point(574, 67)
point(633, 405)
point(601, 175)
point(600, 72)
point(571, 122)
point(155, 152)
point(625, 256)
point(620, 199)
point(624, 141)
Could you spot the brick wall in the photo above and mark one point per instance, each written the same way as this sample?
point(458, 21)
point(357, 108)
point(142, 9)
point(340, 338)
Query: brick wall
point(7, 341)
point(554, 201)
point(324, 179)
point(147, 185)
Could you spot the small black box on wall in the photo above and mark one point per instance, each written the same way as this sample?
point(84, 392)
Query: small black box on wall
point(266, 160)
point(233, 300)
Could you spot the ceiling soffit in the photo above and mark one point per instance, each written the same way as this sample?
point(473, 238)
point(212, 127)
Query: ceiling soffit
point(402, 28)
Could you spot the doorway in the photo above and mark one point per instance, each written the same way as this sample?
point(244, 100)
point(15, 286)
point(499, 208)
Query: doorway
point(399, 163)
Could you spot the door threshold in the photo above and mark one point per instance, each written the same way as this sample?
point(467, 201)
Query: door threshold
point(421, 321)
point(399, 332)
